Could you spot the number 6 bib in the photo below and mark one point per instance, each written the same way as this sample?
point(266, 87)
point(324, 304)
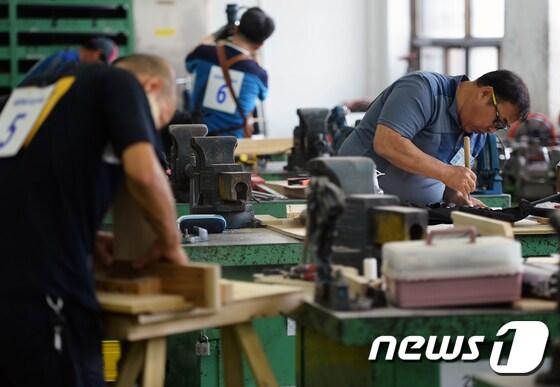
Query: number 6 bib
point(217, 95)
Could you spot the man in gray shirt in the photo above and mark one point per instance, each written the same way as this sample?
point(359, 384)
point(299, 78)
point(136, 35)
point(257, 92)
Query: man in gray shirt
point(414, 131)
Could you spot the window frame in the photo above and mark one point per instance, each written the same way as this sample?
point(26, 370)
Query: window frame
point(466, 43)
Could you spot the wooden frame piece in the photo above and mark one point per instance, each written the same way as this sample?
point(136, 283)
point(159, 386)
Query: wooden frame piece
point(485, 226)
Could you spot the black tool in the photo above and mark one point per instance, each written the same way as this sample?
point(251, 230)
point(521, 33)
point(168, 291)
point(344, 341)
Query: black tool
point(181, 157)
point(217, 184)
point(310, 138)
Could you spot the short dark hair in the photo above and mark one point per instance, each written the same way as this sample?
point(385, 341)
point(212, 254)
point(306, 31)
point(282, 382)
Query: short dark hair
point(256, 25)
point(509, 87)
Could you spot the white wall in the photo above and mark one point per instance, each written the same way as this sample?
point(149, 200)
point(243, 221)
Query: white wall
point(170, 28)
point(554, 60)
point(316, 57)
point(526, 47)
point(323, 52)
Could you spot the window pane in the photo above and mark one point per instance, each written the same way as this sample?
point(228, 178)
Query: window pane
point(487, 18)
point(482, 60)
point(431, 59)
point(457, 61)
point(441, 18)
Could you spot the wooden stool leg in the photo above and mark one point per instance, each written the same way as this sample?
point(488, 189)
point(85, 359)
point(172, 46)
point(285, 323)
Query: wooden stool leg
point(251, 345)
point(233, 368)
point(154, 364)
point(132, 364)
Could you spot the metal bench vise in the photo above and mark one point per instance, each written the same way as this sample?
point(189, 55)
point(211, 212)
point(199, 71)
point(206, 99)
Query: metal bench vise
point(217, 184)
point(370, 218)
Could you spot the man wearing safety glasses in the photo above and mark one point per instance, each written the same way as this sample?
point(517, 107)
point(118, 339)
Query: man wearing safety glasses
point(414, 131)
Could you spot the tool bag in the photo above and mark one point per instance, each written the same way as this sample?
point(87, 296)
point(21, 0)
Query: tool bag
point(452, 272)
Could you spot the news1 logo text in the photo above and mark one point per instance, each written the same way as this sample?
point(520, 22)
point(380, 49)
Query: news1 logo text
point(525, 356)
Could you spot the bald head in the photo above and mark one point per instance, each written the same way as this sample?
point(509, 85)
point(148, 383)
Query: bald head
point(157, 77)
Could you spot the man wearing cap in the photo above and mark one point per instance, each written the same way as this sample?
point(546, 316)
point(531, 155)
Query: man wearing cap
point(211, 101)
point(94, 50)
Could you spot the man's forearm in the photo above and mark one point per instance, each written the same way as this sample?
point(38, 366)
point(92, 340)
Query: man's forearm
point(149, 187)
point(402, 153)
point(157, 203)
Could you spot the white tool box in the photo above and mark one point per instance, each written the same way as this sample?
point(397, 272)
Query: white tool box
point(452, 272)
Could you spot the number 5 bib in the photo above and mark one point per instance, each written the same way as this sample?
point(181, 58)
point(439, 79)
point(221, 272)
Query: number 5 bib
point(26, 109)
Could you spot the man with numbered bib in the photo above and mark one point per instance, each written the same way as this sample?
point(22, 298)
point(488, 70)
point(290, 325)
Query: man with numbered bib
point(228, 79)
point(64, 149)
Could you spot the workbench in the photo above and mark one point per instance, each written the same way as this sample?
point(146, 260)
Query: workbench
point(333, 347)
point(277, 208)
point(241, 253)
point(147, 334)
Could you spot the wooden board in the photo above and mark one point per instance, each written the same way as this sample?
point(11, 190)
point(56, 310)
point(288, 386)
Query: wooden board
point(485, 226)
point(285, 226)
point(531, 227)
point(142, 285)
point(226, 291)
point(197, 283)
point(248, 290)
point(266, 146)
point(141, 303)
point(290, 191)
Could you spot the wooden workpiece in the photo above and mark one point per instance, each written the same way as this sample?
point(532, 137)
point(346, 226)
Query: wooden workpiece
point(290, 191)
point(263, 147)
point(487, 226)
point(291, 227)
point(196, 283)
point(146, 352)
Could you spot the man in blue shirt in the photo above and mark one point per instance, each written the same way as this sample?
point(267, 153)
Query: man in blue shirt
point(94, 50)
point(211, 100)
point(414, 131)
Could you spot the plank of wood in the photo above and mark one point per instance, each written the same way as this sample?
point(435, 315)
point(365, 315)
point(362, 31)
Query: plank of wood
point(531, 227)
point(233, 367)
point(295, 210)
point(141, 303)
point(198, 283)
point(282, 299)
point(286, 226)
point(251, 345)
point(485, 226)
point(154, 365)
point(290, 191)
point(141, 285)
point(266, 146)
point(249, 290)
point(534, 304)
point(132, 364)
point(226, 291)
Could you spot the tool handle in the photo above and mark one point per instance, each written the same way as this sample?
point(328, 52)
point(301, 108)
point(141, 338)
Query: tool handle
point(467, 150)
point(470, 230)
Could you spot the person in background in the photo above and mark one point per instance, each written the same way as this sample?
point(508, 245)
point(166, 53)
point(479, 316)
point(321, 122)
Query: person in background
point(414, 132)
point(211, 102)
point(93, 50)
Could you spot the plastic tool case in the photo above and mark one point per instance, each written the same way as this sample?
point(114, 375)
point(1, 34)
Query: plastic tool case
point(452, 272)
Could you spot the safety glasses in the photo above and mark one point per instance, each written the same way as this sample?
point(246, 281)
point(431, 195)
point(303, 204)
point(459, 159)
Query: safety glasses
point(499, 122)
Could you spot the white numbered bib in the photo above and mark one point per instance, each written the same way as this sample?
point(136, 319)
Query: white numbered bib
point(19, 116)
point(217, 95)
point(459, 158)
